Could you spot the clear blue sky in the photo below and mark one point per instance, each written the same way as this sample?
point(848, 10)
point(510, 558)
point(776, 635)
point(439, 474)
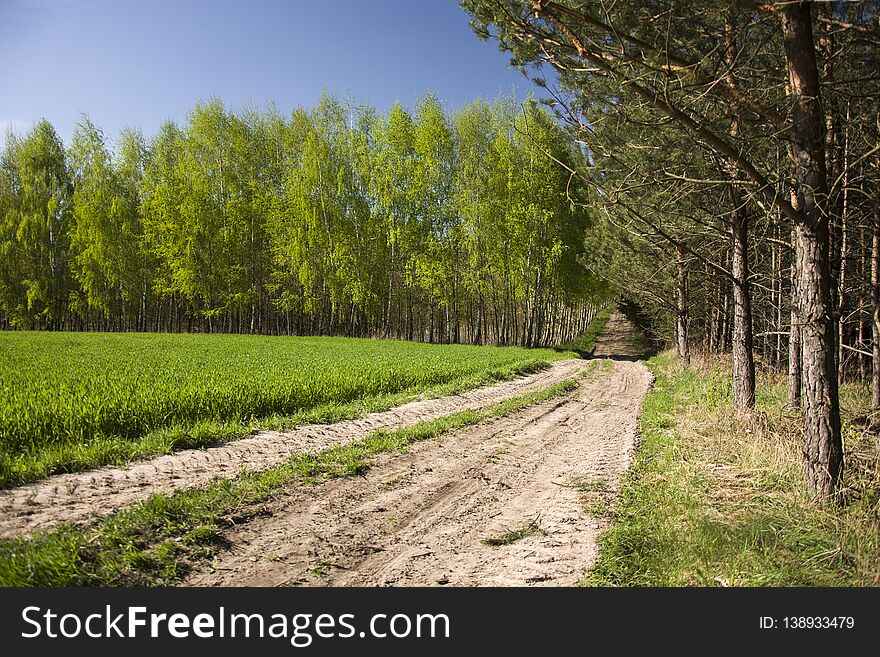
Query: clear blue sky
point(139, 62)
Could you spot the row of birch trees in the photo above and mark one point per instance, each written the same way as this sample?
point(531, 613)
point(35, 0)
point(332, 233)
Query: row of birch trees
point(338, 220)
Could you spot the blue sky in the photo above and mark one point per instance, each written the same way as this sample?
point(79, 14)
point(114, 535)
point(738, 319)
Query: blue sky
point(139, 62)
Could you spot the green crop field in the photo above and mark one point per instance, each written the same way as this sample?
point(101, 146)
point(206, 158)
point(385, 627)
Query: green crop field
point(71, 401)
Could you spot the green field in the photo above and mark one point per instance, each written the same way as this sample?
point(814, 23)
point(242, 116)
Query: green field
point(72, 401)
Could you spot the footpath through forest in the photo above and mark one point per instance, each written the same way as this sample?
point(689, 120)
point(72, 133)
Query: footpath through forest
point(519, 500)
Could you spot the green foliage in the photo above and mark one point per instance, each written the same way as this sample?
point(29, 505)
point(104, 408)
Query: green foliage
point(335, 220)
point(72, 401)
point(34, 228)
point(106, 235)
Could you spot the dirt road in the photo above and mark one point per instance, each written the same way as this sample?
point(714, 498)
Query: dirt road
point(619, 340)
point(87, 496)
point(536, 483)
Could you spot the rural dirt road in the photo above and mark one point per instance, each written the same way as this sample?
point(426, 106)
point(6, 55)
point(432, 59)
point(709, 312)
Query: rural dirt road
point(422, 517)
point(87, 496)
point(417, 518)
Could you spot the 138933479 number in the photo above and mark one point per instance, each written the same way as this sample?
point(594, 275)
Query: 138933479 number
point(817, 622)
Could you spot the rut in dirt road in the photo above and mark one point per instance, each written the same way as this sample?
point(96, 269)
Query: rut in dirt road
point(88, 496)
point(423, 517)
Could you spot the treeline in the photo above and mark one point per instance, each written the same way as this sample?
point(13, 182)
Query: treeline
point(735, 149)
point(334, 221)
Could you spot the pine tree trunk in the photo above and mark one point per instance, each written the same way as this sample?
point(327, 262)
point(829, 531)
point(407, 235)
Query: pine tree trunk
point(794, 339)
point(844, 254)
point(681, 325)
point(841, 301)
point(725, 322)
point(875, 300)
point(824, 448)
point(778, 365)
point(743, 359)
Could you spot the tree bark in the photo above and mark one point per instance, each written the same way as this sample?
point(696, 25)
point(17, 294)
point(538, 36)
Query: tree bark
point(724, 342)
point(844, 254)
point(743, 358)
point(794, 340)
point(824, 448)
point(681, 290)
point(875, 300)
point(778, 327)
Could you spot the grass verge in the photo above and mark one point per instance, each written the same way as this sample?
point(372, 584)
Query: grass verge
point(158, 541)
point(717, 499)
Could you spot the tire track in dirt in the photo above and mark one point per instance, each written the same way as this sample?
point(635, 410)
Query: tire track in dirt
point(420, 518)
point(88, 496)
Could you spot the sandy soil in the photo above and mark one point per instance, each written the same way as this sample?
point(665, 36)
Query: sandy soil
point(88, 496)
point(619, 339)
point(420, 518)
